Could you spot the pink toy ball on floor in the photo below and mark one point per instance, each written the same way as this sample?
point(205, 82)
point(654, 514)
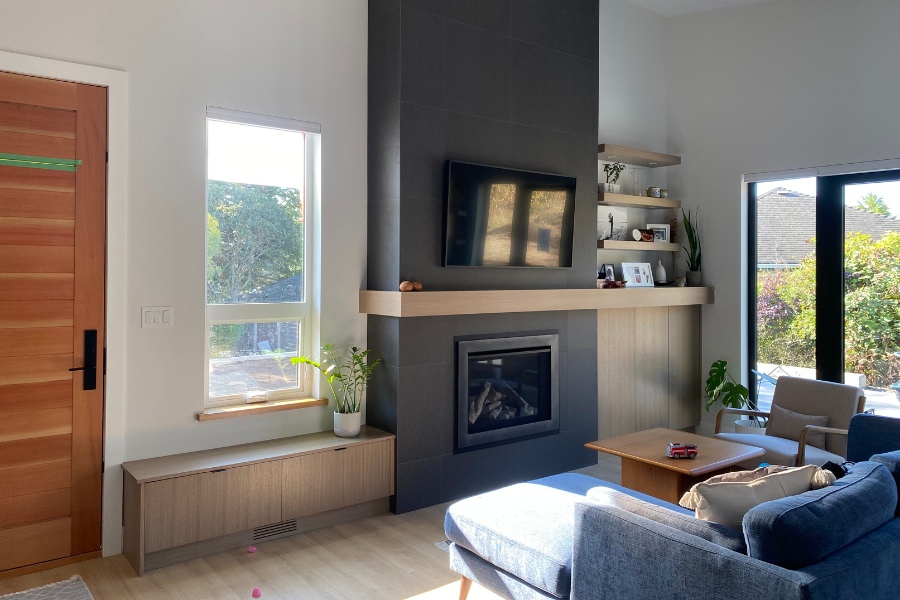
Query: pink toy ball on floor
point(256, 593)
point(251, 549)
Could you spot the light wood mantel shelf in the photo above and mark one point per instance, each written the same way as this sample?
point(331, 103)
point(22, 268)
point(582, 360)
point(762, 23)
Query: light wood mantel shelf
point(434, 304)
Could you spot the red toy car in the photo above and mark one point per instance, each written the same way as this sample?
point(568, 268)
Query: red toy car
point(674, 450)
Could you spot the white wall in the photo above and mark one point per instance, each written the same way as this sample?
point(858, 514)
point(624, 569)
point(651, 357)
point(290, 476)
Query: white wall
point(304, 59)
point(632, 107)
point(769, 87)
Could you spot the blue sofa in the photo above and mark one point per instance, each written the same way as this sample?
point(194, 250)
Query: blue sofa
point(573, 536)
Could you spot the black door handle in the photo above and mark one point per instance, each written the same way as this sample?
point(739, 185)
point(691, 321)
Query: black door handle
point(90, 360)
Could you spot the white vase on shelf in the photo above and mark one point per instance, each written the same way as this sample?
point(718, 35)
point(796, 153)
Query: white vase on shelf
point(660, 273)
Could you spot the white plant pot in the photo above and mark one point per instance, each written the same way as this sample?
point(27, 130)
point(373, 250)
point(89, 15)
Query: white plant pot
point(748, 426)
point(347, 424)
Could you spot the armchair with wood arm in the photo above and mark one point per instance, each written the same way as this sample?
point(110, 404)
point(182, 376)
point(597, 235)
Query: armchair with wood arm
point(808, 397)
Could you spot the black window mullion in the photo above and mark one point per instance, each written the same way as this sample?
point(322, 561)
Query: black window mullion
point(830, 279)
point(752, 278)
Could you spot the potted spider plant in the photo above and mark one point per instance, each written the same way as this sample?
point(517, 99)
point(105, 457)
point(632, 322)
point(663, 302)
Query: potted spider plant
point(691, 223)
point(348, 376)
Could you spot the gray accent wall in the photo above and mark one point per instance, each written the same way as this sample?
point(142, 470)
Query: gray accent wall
point(511, 83)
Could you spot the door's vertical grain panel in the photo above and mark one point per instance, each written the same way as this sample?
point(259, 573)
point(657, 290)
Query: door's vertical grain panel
point(35, 396)
point(38, 91)
point(33, 508)
point(37, 286)
point(35, 341)
point(37, 204)
point(90, 312)
point(35, 543)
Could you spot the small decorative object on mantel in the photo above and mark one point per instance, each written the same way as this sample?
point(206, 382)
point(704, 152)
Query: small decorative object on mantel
point(612, 170)
point(352, 373)
point(691, 223)
point(680, 281)
point(637, 274)
point(654, 192)
point(410, 286)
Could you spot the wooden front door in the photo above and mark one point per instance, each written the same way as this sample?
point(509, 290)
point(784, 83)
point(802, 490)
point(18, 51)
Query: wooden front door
point(52, 290)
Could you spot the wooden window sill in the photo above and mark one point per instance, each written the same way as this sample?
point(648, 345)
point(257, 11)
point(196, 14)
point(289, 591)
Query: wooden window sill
point(245, 410)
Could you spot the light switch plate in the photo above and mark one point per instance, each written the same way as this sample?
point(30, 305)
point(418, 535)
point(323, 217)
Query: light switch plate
point(156, 316)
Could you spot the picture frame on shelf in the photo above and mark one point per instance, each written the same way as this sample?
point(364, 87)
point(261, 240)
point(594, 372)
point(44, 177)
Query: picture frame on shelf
point(607, 272)
point(662, 232)
point(637, 274)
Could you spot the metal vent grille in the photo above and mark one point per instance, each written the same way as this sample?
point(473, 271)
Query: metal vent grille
point(275, 530)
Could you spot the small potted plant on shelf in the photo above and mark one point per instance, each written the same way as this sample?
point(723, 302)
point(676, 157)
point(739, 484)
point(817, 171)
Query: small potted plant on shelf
point(612, 170)
point(691, 223)
point(352, 374)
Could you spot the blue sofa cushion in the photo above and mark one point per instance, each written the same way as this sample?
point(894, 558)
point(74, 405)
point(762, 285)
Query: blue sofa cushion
point(891, 460)
point(526, 529)
point(798, 531)
point(679, 518)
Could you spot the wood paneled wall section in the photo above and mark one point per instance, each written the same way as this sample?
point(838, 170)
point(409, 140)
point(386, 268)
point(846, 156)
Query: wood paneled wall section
point(648, 368)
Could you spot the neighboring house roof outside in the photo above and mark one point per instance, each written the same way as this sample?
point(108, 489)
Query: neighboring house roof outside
point(286, 290)
point(786, 220)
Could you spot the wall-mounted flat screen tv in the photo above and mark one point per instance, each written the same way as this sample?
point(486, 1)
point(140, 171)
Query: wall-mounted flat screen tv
point(497, 217)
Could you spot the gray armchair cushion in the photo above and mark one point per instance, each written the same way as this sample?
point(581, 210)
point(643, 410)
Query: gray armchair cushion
point(798, 531)
point(779, 451)
point(787, 424)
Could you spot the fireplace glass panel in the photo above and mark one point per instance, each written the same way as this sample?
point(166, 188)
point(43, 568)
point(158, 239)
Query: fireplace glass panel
point(508, 389)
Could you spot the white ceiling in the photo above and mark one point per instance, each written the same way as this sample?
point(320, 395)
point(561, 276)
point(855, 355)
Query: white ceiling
point(671, 8)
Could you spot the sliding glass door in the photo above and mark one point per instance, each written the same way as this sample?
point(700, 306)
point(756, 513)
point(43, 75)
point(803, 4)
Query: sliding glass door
point(824, 284)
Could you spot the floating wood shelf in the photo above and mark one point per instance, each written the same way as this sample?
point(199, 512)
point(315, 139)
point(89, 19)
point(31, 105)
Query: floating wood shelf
point(651, 246)
point(608, 199)
point(635, 156)
point(433, 304)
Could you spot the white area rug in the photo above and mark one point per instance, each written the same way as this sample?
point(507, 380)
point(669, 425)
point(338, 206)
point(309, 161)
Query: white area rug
point(70, 589)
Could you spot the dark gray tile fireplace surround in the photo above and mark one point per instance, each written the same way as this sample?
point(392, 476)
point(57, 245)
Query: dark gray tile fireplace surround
point(511, 83)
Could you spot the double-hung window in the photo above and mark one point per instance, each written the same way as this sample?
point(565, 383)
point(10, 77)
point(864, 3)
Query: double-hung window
point(260, 177)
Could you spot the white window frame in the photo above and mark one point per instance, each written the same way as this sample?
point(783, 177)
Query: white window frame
point(300, 312)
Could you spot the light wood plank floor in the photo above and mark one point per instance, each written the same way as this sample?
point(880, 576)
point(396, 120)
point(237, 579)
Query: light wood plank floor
point(387, 557)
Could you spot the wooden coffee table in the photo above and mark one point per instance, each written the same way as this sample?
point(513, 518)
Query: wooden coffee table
point(647, 469)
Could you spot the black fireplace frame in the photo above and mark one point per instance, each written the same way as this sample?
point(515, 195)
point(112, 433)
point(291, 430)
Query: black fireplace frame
point(466, 345)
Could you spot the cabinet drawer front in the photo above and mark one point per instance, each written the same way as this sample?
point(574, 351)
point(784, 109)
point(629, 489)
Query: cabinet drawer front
point(315, 483)
point(198, 507)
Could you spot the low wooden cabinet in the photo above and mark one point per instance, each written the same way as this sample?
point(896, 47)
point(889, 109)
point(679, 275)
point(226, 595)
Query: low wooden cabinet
point(314, 483)
point(180, 507)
